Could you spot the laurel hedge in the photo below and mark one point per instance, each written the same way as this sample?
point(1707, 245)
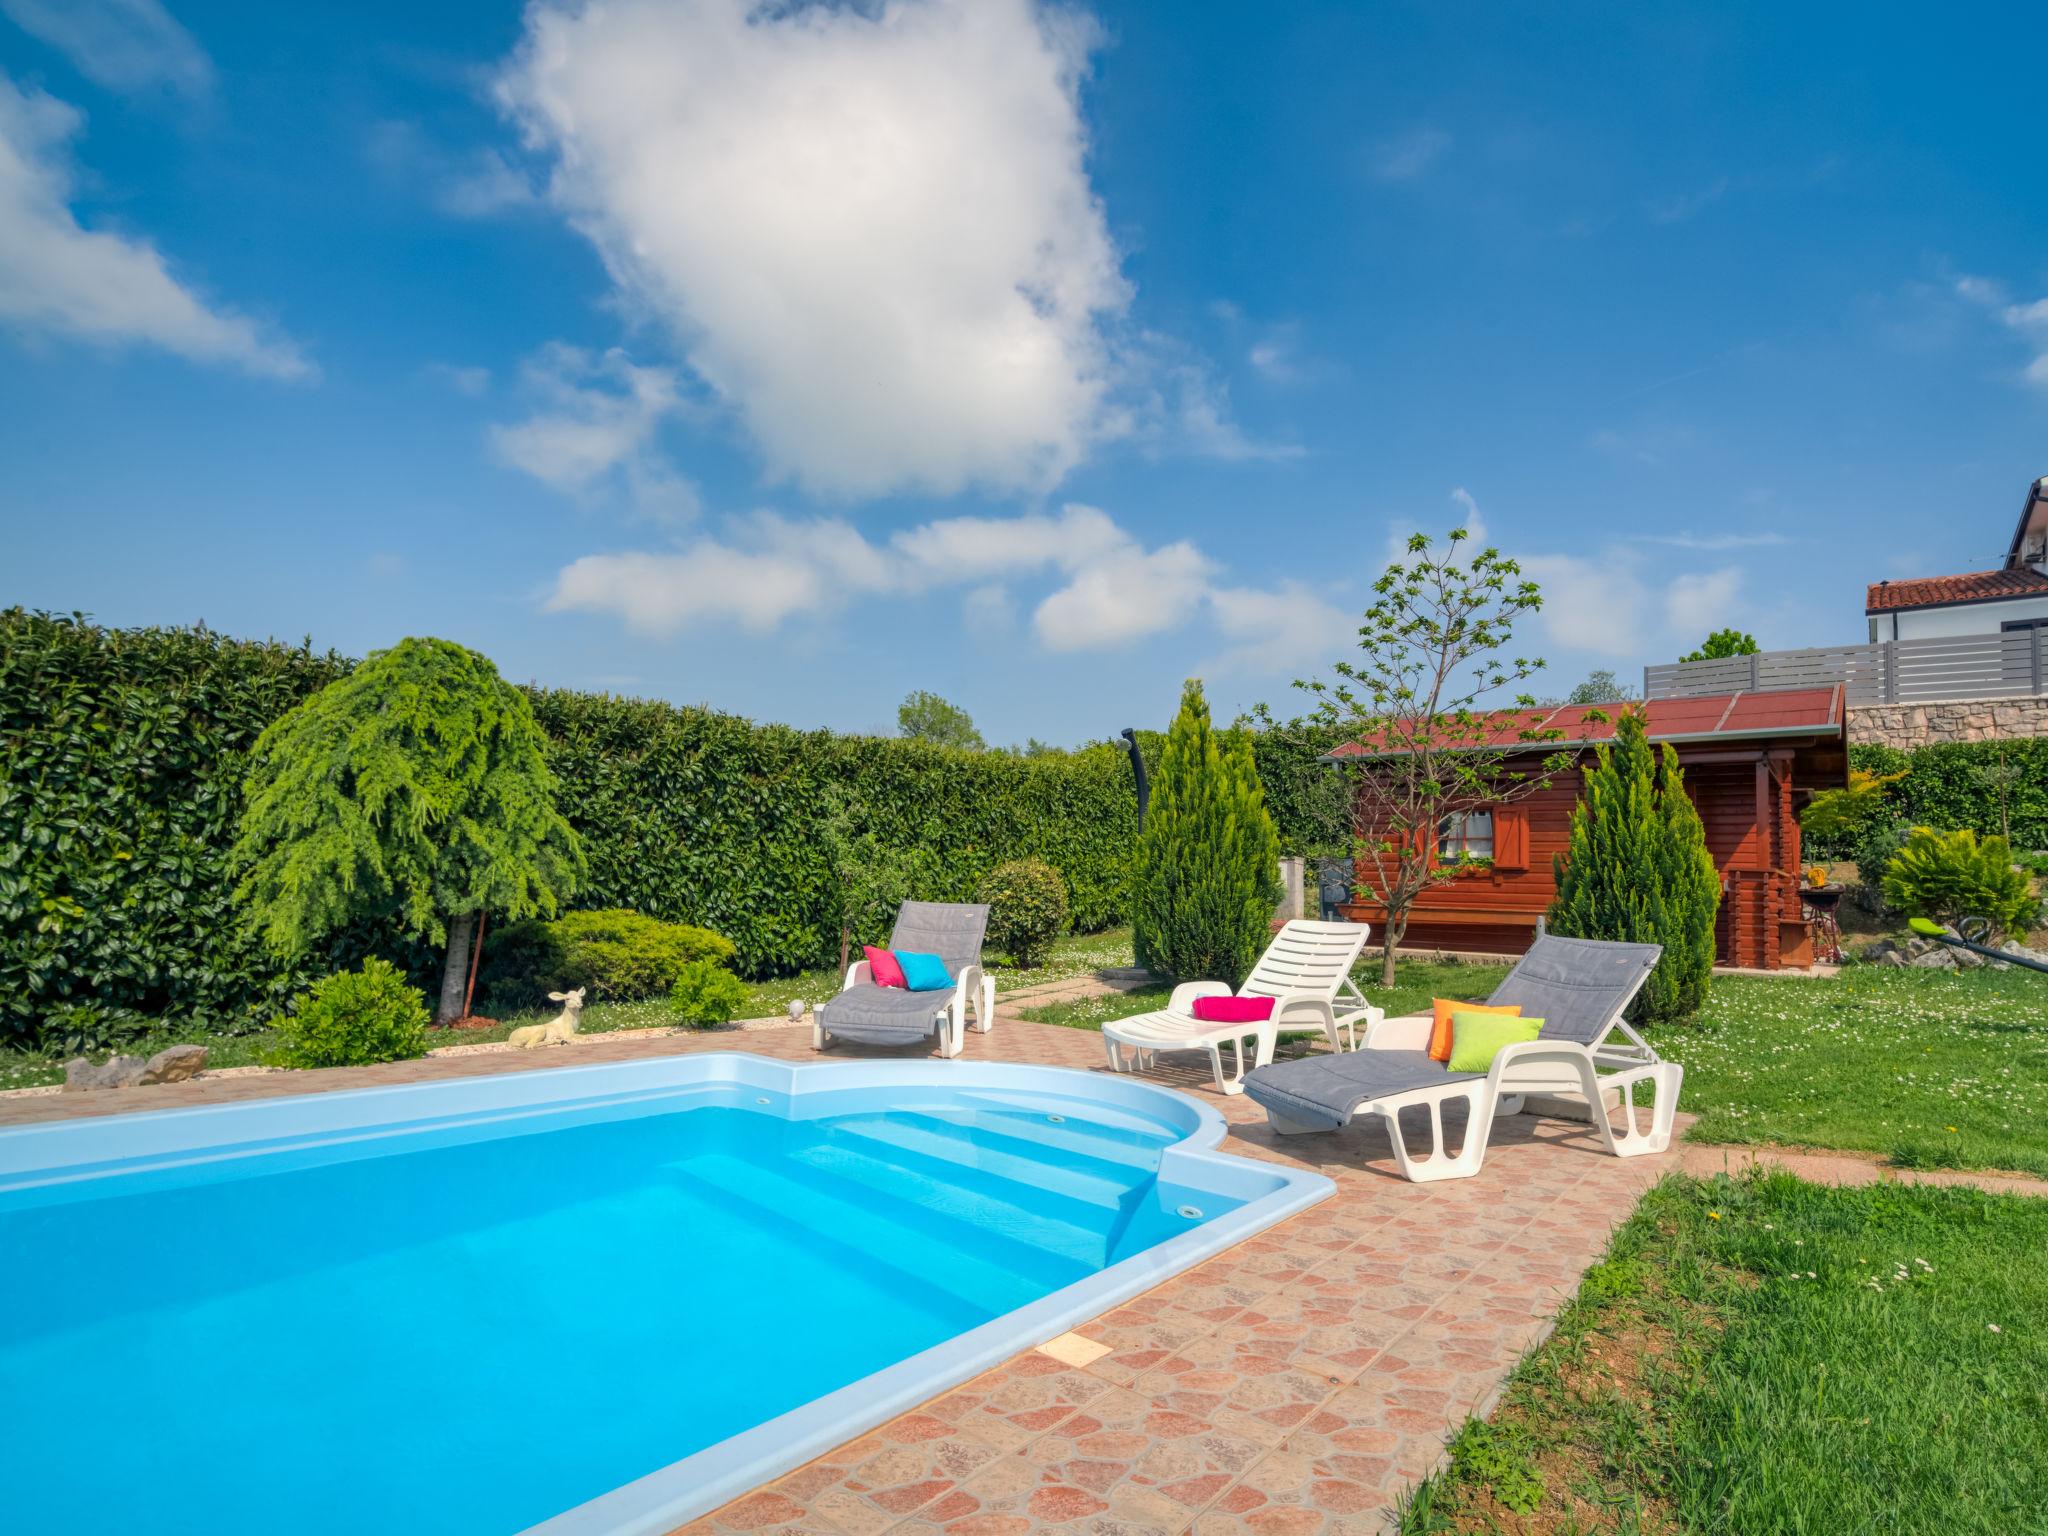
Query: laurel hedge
point(1953, 786)
point(122, 754)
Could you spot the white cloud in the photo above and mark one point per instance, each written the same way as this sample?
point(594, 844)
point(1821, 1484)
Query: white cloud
point(1680, 206)
point(2029, 321)
point(1111, 590)
point(1277, 631)
point(56, 275)
point(594, 429)
point(1407, 156)
point(1124, 598)
point(871, 229)
point(1712, 541)
point(467, 184)
point(1700, 602)
point(123, 45)
point(464, 380)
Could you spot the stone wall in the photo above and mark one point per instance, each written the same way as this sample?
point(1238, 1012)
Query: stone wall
point(1907, 726)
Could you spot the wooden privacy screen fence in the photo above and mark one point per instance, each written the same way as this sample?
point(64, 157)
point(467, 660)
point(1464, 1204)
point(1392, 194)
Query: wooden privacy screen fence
point(1882, 672)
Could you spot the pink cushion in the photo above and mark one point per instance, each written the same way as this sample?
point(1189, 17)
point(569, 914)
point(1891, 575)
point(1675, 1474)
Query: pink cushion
point(883, 969)
point(1233, 1010)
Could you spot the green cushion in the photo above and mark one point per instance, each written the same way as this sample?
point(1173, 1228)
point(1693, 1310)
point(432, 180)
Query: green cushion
point(1476, 1038)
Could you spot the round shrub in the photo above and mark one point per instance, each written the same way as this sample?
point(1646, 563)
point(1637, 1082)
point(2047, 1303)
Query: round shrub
point(1951, 875)
point(705, 993)
point(353, 1018)
point(615, 954)
point(1027, 909)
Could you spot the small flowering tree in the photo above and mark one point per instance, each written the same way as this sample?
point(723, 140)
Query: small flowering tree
point(1425, 703)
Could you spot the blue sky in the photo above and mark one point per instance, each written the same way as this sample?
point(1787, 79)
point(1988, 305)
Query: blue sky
point(1037, 357)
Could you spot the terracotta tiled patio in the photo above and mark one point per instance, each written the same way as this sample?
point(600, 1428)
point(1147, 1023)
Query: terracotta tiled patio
point(1292, 1386)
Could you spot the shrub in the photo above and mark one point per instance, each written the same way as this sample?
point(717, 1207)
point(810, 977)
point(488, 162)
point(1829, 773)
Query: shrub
point(1207, 871)
point(1637, 869)
point(1834, 819)
point(705, 992)
point(87, 1029)
point(353, 1018)
point(621, 955)
point(1951, 875)
point(1027, 909)
point(1987, 786)
point(1873, 852)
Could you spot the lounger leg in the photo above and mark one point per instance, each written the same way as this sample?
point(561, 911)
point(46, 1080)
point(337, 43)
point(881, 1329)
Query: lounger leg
point(1116, 1055)
point(1628, 1141)
point(817, 1032)
point(1283, 1126)
point(985, 1006)
point(1438, 1164)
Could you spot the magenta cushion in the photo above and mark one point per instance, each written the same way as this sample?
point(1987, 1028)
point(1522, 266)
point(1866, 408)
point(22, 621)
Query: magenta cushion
point(883, 968)
point(1233, 1010)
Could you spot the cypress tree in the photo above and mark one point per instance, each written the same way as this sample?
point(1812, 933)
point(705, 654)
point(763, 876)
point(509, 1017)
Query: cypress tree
point(1207, 872)
point(1637, 869)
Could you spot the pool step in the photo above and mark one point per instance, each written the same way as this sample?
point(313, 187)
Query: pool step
point(958, 1276)
point(1050, 1179)
point(994, 1212)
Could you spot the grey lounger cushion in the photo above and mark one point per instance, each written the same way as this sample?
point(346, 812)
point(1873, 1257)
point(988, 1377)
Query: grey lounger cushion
point(952, 930)
point(1577, 987)
point(884, 1015)
point(1324, 1091)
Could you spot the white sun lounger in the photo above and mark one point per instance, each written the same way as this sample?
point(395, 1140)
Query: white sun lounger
point(1578, 987)
point(1306, 970)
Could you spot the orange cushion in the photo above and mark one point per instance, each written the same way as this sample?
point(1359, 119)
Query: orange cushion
point(1440, 1033)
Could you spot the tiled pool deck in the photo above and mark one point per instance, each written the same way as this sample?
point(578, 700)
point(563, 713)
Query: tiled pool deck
point(1292, 1386)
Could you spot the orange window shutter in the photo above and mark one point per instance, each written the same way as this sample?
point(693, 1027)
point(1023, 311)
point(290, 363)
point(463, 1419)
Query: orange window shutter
point(1511, 837)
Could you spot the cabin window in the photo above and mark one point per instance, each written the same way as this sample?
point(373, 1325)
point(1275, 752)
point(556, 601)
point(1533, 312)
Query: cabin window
point(1464, 837)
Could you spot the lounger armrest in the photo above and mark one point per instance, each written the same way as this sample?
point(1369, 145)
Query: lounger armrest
point(967, 987)
point(1184, 995)
point(1526, 1051)
point(856, 973)
point(1290, 1005)
point(1409, 1032)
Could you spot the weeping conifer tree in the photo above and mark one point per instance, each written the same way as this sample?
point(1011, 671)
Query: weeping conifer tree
point(1207, 873)
point(414, 790)
point(1637, 868)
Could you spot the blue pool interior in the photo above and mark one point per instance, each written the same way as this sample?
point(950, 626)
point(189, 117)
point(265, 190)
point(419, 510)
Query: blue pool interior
point(473, 1324)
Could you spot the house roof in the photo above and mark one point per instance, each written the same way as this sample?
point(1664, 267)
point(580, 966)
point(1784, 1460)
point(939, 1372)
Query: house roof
point(1941, 591)
point(1729, 717)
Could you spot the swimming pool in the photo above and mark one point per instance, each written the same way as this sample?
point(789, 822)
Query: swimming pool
point(602, 1298)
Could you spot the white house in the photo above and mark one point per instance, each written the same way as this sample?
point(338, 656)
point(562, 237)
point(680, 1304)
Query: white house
point(2013, 597)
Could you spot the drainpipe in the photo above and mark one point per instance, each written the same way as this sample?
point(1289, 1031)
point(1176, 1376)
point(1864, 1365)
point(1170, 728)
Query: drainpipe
point(1130, 736)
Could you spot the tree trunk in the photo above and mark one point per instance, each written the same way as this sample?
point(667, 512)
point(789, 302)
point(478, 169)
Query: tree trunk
point(455, 974)
point(1390, 937)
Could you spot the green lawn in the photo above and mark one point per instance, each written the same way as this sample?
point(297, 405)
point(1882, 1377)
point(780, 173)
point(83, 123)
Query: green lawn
point(1765, 1357)
point(1928, 1067)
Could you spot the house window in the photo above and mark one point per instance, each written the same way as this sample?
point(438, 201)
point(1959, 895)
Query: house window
point(2012, 624)
point(1464, 836)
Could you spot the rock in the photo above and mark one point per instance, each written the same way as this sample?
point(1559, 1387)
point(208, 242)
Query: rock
point(174, 1064)
point(1889, 957)
point(115, 1072)
point(1935, 960)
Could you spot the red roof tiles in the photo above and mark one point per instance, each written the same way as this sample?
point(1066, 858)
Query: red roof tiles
point(1773, 712)
point(1934, 591)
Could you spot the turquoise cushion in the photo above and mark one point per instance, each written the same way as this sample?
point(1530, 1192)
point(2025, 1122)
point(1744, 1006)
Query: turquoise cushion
point(923, 973)
point(1476, 1038)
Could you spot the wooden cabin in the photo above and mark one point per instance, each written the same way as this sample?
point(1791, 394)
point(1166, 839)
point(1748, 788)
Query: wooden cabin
point(1751, 761)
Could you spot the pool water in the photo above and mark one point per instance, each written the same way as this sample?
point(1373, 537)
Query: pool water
point(472, 1326)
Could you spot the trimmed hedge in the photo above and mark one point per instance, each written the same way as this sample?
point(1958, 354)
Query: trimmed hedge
point(1941, 789)
point(122, 754)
